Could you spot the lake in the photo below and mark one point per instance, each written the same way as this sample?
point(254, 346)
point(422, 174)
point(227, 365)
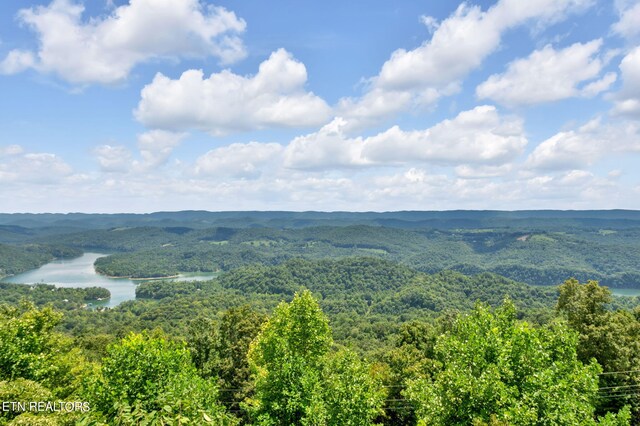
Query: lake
point(629, 292)
point(79, 272)
point(625, 291)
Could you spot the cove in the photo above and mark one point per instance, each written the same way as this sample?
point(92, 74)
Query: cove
point(80, 273)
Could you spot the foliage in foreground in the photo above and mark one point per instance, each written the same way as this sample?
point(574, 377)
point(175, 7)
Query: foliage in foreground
point(485, 367)
point(151, 378)
point(300, 381)
point(496, 370)
point(611, 337)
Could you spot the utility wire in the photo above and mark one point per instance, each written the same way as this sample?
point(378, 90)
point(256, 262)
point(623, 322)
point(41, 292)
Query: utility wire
point(619, 387)
point(619, 372)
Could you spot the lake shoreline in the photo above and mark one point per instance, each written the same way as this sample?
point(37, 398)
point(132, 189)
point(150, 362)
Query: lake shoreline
point(128, 277)
point(80, 272)
point(184, 274)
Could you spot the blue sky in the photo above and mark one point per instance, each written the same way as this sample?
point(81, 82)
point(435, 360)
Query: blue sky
point(146, 105)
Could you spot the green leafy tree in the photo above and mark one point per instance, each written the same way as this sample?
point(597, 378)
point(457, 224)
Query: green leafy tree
point(31, 349)
point(298, 381)
point(152, 379)
point(201, 338)
point(220, 351)
point(497, 370)
point(237, 329)
point(610, 337)
point(353, 396)
point(411, 358)
point(287, 358)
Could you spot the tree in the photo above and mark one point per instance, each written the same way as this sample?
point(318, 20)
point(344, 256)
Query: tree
point(351, 394)
point(220, 351)
point(298, 381)
point(496, 370)
point(201, 338)
point(411, 358)
point(151, 378)
point(31, 349)
point(612, 338)
point(238, 327)
point(287, 358)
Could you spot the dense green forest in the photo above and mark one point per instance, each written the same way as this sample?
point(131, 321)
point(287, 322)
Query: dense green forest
point(536, 247)
point(242, 366)
point(19, 258)
point(534, 256)
point(59, 297)
point(328, 319)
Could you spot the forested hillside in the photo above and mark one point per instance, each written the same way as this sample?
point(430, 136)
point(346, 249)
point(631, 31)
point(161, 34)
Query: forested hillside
point(242, 366)
point(348, 322)
point(534, 256)
point(536, 247)
point(19, 258)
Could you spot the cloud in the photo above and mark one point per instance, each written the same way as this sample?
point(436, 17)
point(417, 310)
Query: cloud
point(548, 75)
point(154, 149)
point(577, 149)
point(477, 136)
point(156, 146)
point(229, 179)
point(416, 186)
point(327, 148)
point(226, 102)
point(596, 87)
point(576, 188)
point(239, 160)
point(483, 171)
point(16, 166)
point(402, 189)
point(627, 100)
point(104, 50)
point(9, 150)
point(628, 26)
point(17, 61)
point(113, 158)
point(430, 22)
point(459, 44)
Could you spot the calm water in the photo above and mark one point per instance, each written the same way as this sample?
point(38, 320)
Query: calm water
point(625, 291)
point(79, 272)
point(619, 291)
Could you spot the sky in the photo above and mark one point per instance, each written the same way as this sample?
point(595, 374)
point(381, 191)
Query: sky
point(148, 105)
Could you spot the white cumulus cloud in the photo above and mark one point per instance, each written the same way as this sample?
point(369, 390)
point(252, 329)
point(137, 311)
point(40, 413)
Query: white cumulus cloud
point(226, 102)
point(477, 136)
point(327, 148)
point(549, 75)
point(105, 49)
point(628, 26)
point(239, 160)
point(627, 100)
point(17, 61)
point(113, 158)
point(459, 44)
point(16, 166)
point(577, 149)
point(156, 146)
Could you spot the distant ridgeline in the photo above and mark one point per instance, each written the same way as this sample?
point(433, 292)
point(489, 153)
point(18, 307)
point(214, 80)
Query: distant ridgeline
point(52, 223)
point(537, 247)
